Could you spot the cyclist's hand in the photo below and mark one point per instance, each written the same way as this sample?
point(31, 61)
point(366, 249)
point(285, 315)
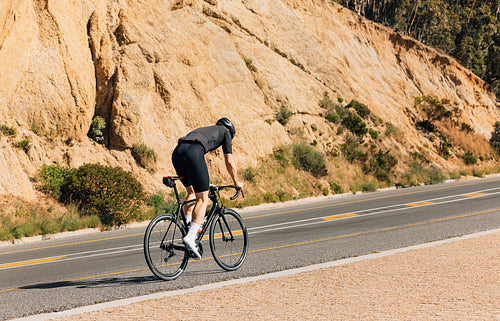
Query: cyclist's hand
point(239, 184)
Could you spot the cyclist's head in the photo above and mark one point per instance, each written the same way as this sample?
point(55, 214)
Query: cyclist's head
point(228, 124)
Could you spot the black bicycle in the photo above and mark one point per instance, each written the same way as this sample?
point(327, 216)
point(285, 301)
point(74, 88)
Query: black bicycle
point(167, 256)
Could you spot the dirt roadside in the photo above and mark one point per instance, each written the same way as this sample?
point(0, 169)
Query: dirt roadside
point(459, 280)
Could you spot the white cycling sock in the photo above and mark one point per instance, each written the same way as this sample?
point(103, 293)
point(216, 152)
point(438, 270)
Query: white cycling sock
point(188, 218)
point(193, 230)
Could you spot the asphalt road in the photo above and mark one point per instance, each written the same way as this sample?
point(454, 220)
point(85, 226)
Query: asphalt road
point(60, 274)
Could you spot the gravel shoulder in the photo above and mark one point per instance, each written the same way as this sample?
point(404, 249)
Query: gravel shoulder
point(458, 280)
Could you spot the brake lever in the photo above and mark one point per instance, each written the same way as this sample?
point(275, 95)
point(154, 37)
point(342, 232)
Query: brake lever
point(238, 190)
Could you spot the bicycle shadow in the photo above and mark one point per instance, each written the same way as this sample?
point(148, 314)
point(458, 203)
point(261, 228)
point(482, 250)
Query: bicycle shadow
point(115, 281)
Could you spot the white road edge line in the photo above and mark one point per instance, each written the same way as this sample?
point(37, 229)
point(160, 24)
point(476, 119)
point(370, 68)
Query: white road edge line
point(160, 295)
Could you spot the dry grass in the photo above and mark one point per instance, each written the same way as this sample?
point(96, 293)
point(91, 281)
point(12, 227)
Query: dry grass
point(473, 142)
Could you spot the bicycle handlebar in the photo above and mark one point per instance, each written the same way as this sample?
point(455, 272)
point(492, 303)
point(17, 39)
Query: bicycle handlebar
point(238, 190)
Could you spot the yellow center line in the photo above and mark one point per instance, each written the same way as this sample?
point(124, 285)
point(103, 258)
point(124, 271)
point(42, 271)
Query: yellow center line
point(336, 217)
point(474, 194)
point(419, 203)
point(2, 266)
point(226, 234)
point(290, 245)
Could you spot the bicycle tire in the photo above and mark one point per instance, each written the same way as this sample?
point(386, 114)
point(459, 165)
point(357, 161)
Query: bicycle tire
point(228, 240)
point(163, 249)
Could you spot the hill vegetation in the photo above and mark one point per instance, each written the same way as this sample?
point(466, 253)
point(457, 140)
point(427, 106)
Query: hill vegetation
point(468, 30)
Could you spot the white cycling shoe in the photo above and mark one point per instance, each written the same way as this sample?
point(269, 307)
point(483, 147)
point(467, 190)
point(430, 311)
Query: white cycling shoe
point(192, 246)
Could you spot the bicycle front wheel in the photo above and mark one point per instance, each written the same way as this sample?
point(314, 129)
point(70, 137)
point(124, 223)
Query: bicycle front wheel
point(228, 240)
point(165, 254)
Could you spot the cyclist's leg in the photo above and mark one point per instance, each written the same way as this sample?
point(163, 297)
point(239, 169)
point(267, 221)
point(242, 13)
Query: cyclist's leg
point(182, 165)
point(189, 207)
point(197, 175)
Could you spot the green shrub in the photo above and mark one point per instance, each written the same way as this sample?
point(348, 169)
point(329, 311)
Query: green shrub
point(250, 65)
point(96, 129)
point(444, 149)
point(360, 108)
point(309, 159)
point(495, 137)
point(159, 204)
point(381, 165)
point(469, 158)
point(350, 149)
point(336, 188)
point(332, 116)
point(466, 127)
point(283, 115)
point(270, 197)
point(249, 174)
point(434, 108)
point(368, 187)
point(373, 133)
point(8, 131)
point(280, 155)
point(355, 124)
point(434, 175)
point(426, 126)
point(24, 145)
point(326, 102)
point(145, 156)
point(52, 177)
point(108, 192)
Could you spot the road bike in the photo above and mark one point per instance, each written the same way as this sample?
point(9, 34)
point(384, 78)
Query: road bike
point(166, 255)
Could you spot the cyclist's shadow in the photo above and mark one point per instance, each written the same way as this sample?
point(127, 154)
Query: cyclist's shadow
point(117, 281)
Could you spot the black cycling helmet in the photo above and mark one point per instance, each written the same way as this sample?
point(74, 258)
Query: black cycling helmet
point(228, 124)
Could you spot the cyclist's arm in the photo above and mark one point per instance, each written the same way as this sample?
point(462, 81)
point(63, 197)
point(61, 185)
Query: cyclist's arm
point(231, 169)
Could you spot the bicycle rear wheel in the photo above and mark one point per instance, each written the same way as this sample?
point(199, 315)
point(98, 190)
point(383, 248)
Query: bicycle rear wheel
point(228, 240)
point(165, 254)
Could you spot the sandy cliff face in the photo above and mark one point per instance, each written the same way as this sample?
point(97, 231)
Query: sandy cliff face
point(156, 69)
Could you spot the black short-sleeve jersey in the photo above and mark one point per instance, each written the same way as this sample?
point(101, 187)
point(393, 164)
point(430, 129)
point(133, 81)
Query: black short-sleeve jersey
point(211, 137)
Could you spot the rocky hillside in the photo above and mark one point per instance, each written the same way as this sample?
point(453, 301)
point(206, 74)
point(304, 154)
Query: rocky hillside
point(156, 69)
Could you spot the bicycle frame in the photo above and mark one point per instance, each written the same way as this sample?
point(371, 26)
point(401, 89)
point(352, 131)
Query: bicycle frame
point(213, 195)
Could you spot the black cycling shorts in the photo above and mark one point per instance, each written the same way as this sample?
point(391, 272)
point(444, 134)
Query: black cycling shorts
point(189, 163)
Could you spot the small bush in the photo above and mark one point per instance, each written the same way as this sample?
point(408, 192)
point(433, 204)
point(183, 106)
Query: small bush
point(350, 149)
point(373, 133)
point(309, 159)
point(326, 102)
point(434, 175)
point(355, 124)
point(249, 174)
point(426, 125)
point(281, 156)
point(381, 164)
point(336, 188)
point(332, 116)
point(283, 115)
point(24, 145)
point(466, 127)
point(8, 131)
point(495, 137)
point(96, 131)
point(159, 204)
point(434, 108)
point(360, 108)
point(469, 158)
point(444, 149)
point(145, 156)
point(250, 65)
point(52, 177)
point(108, 192)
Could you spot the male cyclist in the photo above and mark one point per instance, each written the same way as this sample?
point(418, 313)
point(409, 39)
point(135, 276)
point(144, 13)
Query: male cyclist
point(188, 159)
